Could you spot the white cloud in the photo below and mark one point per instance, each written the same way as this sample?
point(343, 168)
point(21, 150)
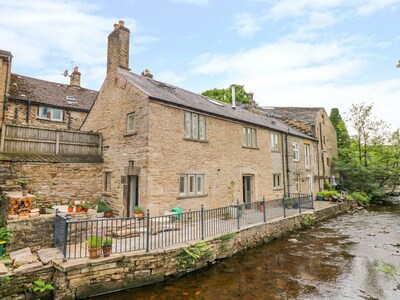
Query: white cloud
point(195, 2)
point(246, 24)
point(169, 77)
point(372, 6)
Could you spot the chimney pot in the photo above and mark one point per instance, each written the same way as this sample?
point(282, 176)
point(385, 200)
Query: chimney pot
point(116, 26)
point(121, 23)
point(233, 96)
point(147, 73)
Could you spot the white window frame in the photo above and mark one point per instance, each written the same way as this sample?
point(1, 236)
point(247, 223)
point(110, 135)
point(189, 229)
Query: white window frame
point(296, 152)
point(107, 182)
point(195, 126)
point(276, 181)
point(130, 121)
point(297, 183)
point(189, 190)
point(307, 156)
point(275, 146)
point(49, 114)
point(249, 137)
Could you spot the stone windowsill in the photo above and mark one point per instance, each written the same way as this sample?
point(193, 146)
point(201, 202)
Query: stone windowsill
point(49, 120)
point(253, 148)
point(191, 196)
point(195, 140)
point(130, 133)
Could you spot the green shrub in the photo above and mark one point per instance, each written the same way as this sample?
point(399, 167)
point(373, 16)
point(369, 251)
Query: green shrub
point(328, 186)
point(137, 210)
point(107, 242)
point(328, 194)
point(360, 197)
point(94, 241)
point(40, 286)
point(193, 254)
point(5, 234)
point(307, 220)
point(101, 206)
point(4, 282)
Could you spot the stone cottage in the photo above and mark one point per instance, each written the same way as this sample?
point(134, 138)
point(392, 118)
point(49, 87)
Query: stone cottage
point(166, 147)
point(35, 102)
point(315, 121)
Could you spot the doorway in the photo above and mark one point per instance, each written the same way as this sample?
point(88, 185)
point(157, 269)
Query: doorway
point(248, 190)
point(133, 194)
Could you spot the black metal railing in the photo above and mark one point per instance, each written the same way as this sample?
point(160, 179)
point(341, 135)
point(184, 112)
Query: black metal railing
point(148, 233)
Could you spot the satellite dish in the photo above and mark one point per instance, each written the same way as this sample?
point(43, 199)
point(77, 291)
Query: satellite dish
point(65, 73)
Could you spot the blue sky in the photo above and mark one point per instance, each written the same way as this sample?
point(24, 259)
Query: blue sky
point(329, 53)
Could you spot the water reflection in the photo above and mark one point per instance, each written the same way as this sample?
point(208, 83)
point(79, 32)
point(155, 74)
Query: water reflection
point(334, 260)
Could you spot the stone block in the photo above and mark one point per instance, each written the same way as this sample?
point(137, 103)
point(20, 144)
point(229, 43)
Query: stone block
point(48, 254)
point(28, 267)
point(3, 269)
point(25, 259)
point(24, 251)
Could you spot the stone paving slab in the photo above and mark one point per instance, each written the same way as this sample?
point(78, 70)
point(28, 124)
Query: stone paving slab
point(48, 254)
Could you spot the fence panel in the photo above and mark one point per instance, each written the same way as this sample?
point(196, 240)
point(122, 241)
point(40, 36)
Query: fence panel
point(33, 140)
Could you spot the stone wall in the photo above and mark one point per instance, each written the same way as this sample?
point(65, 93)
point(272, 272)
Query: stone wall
point(61, 183)
point(16, 113)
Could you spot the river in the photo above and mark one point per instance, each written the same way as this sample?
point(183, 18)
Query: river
point(336, 259)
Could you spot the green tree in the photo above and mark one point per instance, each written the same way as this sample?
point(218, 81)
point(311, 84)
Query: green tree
point(343, 138)
point(225, 95)
point(398, 65)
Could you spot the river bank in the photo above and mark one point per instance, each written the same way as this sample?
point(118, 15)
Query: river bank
point(336, 259)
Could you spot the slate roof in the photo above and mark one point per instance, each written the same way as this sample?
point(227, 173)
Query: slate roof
point(307, 115)
point(51, 93)
point(5, 53)
point(166, 93)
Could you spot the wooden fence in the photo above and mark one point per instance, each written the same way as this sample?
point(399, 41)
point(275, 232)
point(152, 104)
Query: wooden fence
point(34, 140)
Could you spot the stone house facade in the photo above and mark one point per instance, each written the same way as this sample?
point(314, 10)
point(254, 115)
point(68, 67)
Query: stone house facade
point(166, 147)
point(314, 121)
point(30, 101)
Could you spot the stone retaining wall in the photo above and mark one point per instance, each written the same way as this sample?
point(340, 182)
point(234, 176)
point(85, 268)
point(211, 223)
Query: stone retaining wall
point(81, 278)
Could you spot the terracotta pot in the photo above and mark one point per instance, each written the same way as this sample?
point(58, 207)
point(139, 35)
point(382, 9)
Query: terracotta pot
point(136, 215)
point(78, 209)
point(261, 208)
point(106, 251)
point(108, 215)
point(85, 209)
point(70, 209)
point(94, 252)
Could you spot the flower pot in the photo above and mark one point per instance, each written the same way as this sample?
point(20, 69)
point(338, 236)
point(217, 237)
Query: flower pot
point(137, 215)
point(100, 214)
point(70, 209)
point(94, 252)
point(108, 215)
point(106, 251)
point(85, 209)
point(261, 206)
point(78, 209)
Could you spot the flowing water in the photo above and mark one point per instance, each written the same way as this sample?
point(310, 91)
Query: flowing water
point(336, 259)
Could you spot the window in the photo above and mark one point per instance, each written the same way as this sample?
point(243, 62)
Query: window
point(277, 181)
point(107, 181)
point(249, 137)
point(52, 114)
point(307, 156)
point(296, 155)
point(275, 142)
point(191, 185)
point(195, 126)
point(130, 123)
point(296, 183)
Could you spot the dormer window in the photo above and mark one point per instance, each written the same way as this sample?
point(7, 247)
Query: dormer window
point(71, 99)
point(52, 114)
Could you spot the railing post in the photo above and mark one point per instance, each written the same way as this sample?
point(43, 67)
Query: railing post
point(65, 240)
point(312, 200)
point(264, 210)
point(238, 214)
point(284, 207)
point(299, 200)
point(148, 231)
point(202, 222)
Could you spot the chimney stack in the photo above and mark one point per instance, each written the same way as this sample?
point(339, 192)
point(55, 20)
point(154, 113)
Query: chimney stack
point(233, 96)
point(75, 78)
point(118, 48)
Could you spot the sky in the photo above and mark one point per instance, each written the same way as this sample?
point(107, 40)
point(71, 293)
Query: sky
point(311, 53)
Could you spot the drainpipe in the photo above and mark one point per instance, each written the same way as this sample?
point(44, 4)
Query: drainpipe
point(5, 90)
point(69, 119)
point(322, 151)
point(319, 180)
point(28, 110)
point(283, 166)
point(287, 163)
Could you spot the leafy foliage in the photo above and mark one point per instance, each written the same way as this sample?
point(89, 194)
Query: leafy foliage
point(389, 270)
point(307, 220)
point(328, 194)
point(40, 286)
point(101, 206)
point(4, 282)
point(225, 95)
point(193, 254)
point(360, 197)
point(94, 241)
point(5, 234)
point(107, 242)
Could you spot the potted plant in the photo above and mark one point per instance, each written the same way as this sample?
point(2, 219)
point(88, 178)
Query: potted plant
point(108, 212)
point(70, 207)
point(23, 183)
point(106, 247)
point(94, 243)
point(41, 290)
point(101, 207)
point(5, 237)
point(85, 207)
point(138, 212)
point(289, 203)
point(78, 208)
